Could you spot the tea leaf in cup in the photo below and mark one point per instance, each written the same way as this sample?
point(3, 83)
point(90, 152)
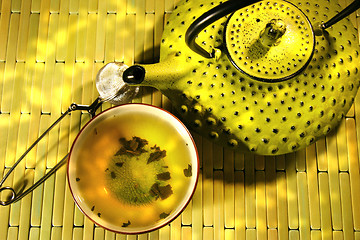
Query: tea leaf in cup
point(188, 171)
point(164, 215)
point(126, 224)
point(163, 176)
point(156, 156)
point(161, 191)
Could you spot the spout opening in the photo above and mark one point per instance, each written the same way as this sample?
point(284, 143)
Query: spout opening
point(134, 75)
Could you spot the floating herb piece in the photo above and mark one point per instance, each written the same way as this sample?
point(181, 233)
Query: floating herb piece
point(188, 171)
point(93, 208)
point(133, 144)
point(133, 147)
point(156, 156)
point(119, 164)
point(164, 215)
point(163, 176)
point(113, 175)
point(99, 214)
point(77, 179)
point(126, 224)
point(155, 147)
point(162, 192)
point(95, 131)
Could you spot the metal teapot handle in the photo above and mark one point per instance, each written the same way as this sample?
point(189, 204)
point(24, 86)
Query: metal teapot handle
point(16, 197)
point(209, 17)
point(230, 6)
point(344, 13)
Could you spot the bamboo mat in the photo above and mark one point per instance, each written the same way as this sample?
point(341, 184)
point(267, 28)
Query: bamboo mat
point(50, 52)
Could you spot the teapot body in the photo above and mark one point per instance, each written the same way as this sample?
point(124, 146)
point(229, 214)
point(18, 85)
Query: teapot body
point(221, 102)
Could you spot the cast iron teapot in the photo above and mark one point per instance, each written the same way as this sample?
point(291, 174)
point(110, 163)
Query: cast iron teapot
point(267, 76)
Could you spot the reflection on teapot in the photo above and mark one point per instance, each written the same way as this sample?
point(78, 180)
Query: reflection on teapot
point(268, 77)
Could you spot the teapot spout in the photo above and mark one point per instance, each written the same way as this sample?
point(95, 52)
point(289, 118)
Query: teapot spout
point(159, 75)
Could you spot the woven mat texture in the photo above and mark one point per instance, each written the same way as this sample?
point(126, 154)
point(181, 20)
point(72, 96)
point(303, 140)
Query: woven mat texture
point(50, 52)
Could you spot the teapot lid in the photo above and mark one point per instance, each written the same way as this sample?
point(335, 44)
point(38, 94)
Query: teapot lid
point(270, 41)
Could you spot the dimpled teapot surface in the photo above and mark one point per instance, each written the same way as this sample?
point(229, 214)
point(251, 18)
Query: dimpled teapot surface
point(269, 95)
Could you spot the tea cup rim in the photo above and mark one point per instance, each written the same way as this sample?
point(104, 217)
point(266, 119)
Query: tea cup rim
point(183, 203)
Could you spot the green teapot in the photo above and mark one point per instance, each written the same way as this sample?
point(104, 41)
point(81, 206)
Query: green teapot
point(269, 77)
